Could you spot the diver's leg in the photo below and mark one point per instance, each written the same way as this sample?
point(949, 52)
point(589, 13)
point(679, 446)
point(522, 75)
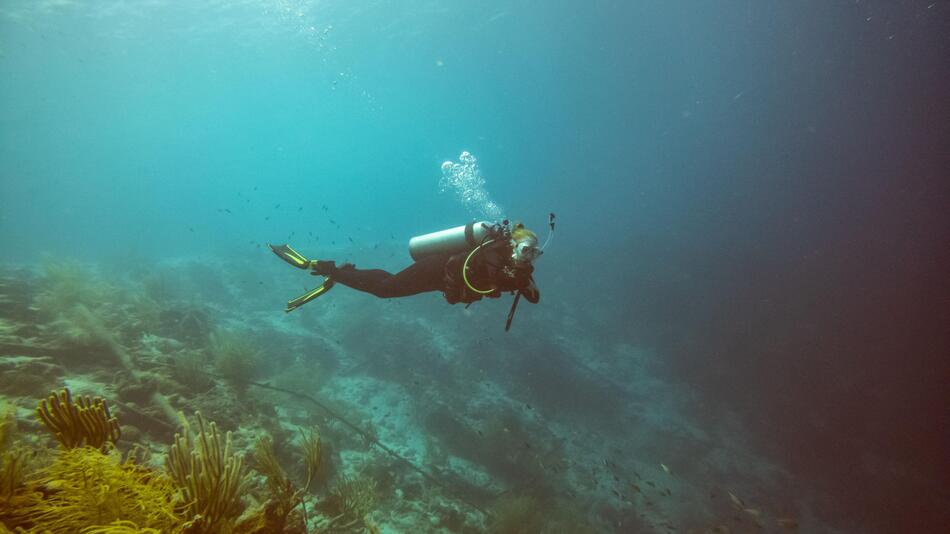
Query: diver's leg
point(427, 274)
point(424, 275)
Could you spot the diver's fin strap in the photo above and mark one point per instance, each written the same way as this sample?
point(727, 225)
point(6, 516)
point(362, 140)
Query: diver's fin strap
point(309, 295)
point(291, 256)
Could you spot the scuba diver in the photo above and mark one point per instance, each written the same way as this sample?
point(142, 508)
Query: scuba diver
point(465, 263)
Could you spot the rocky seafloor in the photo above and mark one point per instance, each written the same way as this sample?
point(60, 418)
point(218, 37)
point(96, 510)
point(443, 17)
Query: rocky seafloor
point(429, 418)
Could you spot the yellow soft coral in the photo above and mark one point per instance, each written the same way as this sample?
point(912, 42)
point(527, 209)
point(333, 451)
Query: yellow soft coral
point(75, 424)
point(211, 475)
point(85, 488)
point(120, 527)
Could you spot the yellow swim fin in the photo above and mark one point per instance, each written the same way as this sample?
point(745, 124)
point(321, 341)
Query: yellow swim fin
point(309, 295)
point(291, 256)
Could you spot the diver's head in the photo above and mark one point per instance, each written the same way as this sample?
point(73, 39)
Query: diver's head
point(524, 245)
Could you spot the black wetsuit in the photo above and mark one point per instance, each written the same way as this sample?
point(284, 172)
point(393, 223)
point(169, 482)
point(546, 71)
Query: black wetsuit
point(490, 268)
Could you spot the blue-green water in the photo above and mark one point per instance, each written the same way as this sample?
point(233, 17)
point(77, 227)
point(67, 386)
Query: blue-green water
point(752, 193)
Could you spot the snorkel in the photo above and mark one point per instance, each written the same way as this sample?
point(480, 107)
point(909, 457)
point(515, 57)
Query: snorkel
point(547, 241)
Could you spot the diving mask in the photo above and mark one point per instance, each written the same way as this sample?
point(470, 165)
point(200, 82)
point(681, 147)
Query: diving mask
point(525, 250)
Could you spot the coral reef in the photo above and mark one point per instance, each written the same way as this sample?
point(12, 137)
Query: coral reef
point(93, 318)
point(66, 284)
point(86, 422)
point(190, 369)
point(350, 502)
point(235, 358)
point(189, 325)
point(7, 423)
point(450, 433)
point(22, 375)
point(312, 449)
point(280, 513)
point(12, 459)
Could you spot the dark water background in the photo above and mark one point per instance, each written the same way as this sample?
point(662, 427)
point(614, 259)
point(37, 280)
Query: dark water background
point(756, 189)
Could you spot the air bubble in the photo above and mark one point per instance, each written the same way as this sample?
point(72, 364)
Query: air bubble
point(465, 179)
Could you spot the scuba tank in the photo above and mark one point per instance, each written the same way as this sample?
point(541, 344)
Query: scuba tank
point(450, 241)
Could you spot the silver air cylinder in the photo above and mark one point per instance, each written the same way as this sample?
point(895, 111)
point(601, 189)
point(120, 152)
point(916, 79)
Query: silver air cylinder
point(451, 241)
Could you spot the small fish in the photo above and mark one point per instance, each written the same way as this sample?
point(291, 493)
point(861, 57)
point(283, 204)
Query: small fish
point(227, 210)
point(527, 445)
point(332, 221)
point(325, 207)
point(635, 488)
point(267, 218)
point(752, 512)
point(528, 406)
point(736, 500)
point(350, 238)
point(191, 229)
point(665, 468)
point(300, 208)
point(480, 433)
point(638, 475)
point(617, 493)
point(277, 206)
point(651, 484)
point(669, 492)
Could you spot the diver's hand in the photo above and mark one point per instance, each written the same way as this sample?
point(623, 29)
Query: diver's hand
point(531, 293)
